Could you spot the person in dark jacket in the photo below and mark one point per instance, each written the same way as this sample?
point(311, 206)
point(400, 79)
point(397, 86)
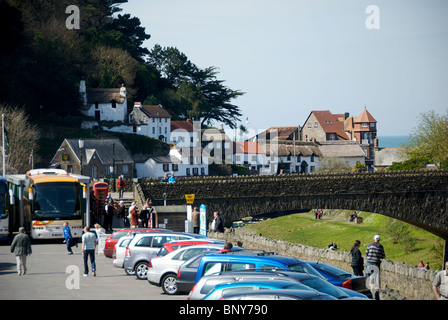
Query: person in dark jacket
point(21, 247)
point(357, 259)
point(217, 225)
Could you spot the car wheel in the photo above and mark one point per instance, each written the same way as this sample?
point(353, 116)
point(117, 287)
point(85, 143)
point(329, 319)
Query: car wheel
point(169, 284)
point(141, 270)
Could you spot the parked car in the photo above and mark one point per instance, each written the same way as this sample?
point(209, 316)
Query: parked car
point(144, 247)
point(282, 294)
point(342, 278)
point(206, 284)
point(221, 290)
point(171, 246)
point(120, 251)
point(112, 240)
point(162, 271)
point(214, 263)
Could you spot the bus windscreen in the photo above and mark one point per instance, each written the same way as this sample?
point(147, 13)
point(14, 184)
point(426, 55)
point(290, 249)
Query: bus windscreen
point(56, 200)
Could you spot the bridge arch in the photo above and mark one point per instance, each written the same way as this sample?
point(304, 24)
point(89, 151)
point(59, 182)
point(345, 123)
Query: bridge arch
point(419, 198)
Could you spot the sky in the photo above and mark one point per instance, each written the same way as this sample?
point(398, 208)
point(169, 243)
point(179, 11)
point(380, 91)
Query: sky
point(291, 57)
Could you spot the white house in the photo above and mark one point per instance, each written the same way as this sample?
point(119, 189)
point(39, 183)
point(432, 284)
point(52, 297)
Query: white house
point(185, 133)
point(249, 154)
point(104, 104)
point(287, 157)
point(151, 121)
point(180, 161)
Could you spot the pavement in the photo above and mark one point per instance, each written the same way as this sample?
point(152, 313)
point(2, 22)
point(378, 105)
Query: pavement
point(54, 275)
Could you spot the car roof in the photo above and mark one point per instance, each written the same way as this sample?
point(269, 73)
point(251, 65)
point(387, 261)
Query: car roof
point(267, 273)
point(251, 256)
point(256, 283)
point(217, 246)
point(195, 240)
point(296, 293)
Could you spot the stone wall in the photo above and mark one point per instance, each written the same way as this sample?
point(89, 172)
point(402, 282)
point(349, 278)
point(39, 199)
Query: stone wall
point(398, 280)
point(420, 198)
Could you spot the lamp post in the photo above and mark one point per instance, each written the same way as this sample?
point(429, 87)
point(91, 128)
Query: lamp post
point(81, 147)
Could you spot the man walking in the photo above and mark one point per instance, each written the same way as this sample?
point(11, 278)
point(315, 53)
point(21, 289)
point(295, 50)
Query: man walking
point(21, 247)
point(88, 249)
point(375, 253)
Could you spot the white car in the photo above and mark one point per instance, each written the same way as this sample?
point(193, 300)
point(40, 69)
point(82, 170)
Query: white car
point(120, 251)
point(162, 271)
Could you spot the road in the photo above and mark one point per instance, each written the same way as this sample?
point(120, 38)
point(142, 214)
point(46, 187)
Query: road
point(55, 275)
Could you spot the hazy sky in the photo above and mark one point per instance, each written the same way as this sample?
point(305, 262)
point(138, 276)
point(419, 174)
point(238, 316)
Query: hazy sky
point(295, 56)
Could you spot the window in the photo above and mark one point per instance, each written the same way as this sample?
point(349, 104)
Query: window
point(114, 104)
point(309, 124)
point(188, 171)
point(316, 124)
point(144, 242)
point(202, 171)
point(166, 167)
point(364, 125)
point(175, 167)
point(153, 130)
point(94, 172)
point(125, 169)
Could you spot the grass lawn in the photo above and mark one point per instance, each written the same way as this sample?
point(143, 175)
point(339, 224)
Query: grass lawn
point(334, 227)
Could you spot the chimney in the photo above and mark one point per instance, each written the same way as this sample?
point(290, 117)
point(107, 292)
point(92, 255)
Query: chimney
point(137, 104)
point(375, 144)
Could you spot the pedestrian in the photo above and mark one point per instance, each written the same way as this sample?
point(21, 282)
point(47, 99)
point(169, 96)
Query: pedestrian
point(89, 244)
point(440, 284)
point(109, 215)
point(375, 253)
point(357, 259)
point(427, 266)
point(217, 225)
point(120, 186)
point(21, 247)
point(121, 214)
point(227, 247)
point(68, 238)
point(165, 178)
point(172, 179)
point(421, 264)
point(133, 217)
point(195, 217)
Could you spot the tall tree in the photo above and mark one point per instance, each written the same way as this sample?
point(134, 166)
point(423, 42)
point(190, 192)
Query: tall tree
point(201, 93)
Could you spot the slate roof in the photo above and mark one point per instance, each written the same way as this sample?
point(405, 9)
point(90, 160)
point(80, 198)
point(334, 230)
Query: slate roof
point(103, 148)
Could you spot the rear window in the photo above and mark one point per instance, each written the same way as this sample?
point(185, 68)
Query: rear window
point(125, 243)
point(304, 267)
point(215, 267)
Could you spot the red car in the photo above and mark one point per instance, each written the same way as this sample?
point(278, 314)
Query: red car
point(113, 238)
point(171, 246)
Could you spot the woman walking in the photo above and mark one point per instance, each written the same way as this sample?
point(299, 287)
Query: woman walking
point(357, 259)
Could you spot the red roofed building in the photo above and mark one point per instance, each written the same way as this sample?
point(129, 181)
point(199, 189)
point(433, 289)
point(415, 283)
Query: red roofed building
point(324, 126)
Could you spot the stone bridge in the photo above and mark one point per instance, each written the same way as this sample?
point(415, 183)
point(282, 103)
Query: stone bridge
point(416, 197)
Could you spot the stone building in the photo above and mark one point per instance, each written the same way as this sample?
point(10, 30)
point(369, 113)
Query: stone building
point(97, 158)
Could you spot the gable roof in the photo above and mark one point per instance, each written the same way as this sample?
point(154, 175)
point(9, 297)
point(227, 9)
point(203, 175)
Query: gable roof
point(184, 125)
point(340, 149)
point(330, 123)
point(106, 149)
point(155, 111)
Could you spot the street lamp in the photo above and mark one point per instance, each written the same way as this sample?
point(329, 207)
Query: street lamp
point(81, 146)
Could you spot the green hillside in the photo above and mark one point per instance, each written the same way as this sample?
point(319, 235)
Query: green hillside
point(402, 242)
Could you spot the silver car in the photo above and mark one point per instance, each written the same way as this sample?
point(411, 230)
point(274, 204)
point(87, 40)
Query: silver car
point(163, 270)
point(145, 246)
point(120, 251)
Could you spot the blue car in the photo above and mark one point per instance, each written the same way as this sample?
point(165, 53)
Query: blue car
point(224, 289)
point(342, 278)
point(215, 262)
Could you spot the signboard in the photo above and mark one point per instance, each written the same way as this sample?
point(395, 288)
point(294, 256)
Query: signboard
point(203, 220)
point(189, 198)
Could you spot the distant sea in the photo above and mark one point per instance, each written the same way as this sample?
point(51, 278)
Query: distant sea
point(392, 141)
